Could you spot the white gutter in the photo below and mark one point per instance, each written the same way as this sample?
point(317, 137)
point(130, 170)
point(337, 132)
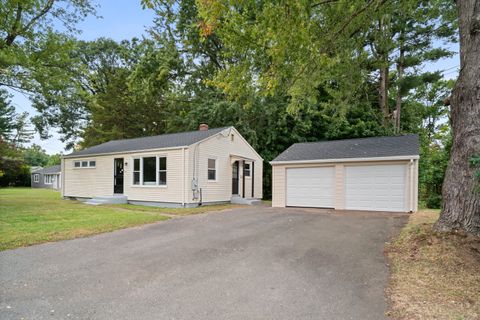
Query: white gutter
point(120, 152)
point(346, 160)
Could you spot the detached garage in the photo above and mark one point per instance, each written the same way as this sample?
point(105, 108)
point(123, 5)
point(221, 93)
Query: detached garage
point(377, 174)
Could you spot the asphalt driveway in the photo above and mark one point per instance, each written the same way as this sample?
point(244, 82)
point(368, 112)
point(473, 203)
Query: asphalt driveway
point(248, 263)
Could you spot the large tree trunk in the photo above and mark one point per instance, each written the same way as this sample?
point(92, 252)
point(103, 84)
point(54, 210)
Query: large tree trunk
point(382, 52)
point(461, 202)
point(383, 93)
point(398, 100)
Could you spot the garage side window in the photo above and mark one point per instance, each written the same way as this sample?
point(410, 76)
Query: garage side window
point(212, 169)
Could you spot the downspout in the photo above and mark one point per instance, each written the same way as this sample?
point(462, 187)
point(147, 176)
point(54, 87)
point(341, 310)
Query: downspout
point(243, 179)
point(62, 176)
point(253, 179)
point(183, 177)
point(411, 185)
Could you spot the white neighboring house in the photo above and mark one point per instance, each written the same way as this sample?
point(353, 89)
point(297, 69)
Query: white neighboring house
point(373, 174)
point(48, 178)
point(185, 169)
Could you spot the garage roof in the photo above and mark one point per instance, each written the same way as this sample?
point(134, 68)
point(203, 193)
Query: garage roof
point(405, 145)
point(171, 140)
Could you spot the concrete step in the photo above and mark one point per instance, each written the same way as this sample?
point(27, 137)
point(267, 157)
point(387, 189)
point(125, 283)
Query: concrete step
point(247, 201)
point(117, 199)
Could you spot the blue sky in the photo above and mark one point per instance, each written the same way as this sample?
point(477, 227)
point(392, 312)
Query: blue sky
point(125, 19)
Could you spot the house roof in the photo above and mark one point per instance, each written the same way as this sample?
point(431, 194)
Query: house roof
point(405, 145)
point(146, 143)
point(47, 170)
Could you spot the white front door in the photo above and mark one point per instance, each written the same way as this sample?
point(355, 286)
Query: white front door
point(375, 187)
point(311, 187)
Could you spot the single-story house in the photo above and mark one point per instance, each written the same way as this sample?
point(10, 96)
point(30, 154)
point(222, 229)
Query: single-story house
point(378, 174)
point(49, 178)
point(175, 170)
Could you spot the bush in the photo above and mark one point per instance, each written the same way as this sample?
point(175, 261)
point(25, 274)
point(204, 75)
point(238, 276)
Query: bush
point(434, 201)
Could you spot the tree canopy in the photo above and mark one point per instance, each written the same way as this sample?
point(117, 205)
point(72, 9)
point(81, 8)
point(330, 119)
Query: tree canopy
point(281, 72)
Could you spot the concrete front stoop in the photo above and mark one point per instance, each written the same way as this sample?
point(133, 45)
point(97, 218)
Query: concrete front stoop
point(248, 201)
point(117, 199)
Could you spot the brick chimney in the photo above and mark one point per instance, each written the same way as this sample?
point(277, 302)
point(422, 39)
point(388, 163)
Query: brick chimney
point(203, 127)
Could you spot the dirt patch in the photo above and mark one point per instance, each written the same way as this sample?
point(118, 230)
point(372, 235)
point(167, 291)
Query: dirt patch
point(433, 276)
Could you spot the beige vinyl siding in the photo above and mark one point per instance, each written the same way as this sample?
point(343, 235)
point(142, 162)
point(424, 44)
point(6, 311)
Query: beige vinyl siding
point(279, 185)
point(172, 192)
point(98, 181)
point(89, 182)
point(279, 181)
point(220, 148)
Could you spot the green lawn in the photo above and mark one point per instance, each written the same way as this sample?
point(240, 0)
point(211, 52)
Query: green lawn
point(31, 216)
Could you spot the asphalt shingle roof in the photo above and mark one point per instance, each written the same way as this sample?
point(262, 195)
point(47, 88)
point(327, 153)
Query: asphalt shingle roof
point(405, 145)
point(146, 143)
point(52, 169)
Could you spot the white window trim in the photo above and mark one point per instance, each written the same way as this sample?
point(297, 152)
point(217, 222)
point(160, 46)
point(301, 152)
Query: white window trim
point(36, 177)
point(216, 168)
point(45, 178)
point(157, 174)
point(157, 167)
point(249, 171)
point(88, 164)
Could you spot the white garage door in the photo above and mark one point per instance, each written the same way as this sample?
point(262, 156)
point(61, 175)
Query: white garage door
point(375, 187)
point(310, 187)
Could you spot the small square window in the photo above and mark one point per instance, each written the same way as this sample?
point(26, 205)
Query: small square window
point(92, 164)
point(247, 169)
point(84, 164)
point(77, 164)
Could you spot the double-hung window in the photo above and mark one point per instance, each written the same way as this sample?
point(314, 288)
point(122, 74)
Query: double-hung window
point(247, 169)
point(36, 177)
point(136, 171)
point(162, 171)
point(150, 171)
point(212, 169)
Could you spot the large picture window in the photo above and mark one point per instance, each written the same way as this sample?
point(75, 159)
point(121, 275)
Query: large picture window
point(212, 169)
point(150, 171)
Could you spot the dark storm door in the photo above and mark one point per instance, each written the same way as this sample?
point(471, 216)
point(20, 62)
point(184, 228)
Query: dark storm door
point(235, 172)
point(118, 176)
